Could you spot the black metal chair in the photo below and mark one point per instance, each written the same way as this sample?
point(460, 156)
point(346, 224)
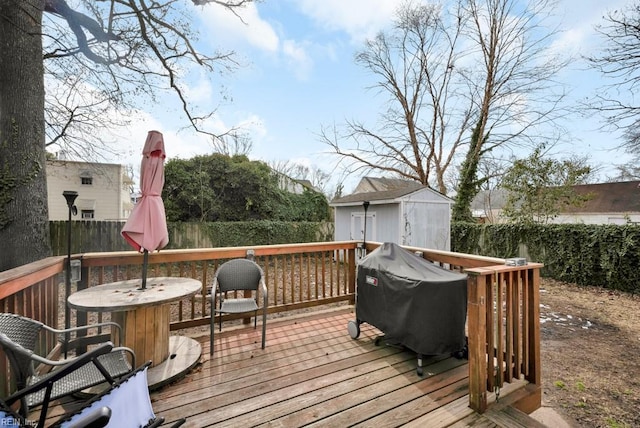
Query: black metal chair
point(18, 338)
point(126, 403)
point(238, 275)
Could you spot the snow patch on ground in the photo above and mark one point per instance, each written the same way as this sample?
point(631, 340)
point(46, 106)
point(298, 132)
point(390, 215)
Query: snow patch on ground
point(547, 315)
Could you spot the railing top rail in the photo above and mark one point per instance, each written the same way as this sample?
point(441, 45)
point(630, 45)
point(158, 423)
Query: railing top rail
point(456, 259)
point(196, 254)
point(21, 277)
point(488, 270)
point(462, 256)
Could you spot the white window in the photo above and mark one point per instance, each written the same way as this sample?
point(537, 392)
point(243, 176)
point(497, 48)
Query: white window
point(86, 178)
point(87, 214)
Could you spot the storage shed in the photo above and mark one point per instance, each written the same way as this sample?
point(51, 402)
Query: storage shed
point(399, 211)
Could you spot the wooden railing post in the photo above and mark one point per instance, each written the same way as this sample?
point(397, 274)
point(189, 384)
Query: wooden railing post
point(82, 317)
point(352, 275)
point(533, 296)
point(532, 371)
point(477, 332)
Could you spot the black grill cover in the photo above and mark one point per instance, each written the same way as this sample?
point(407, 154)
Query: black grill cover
point(412, 301)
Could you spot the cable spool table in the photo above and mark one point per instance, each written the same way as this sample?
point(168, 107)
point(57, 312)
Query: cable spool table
point(144, 316)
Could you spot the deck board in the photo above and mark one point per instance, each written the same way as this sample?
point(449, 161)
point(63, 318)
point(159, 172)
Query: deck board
point(312, 373)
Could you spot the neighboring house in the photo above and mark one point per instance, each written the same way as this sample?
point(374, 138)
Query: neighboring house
point(399, 211)
point(293, 185)
point(609, 203)
point(103, 190)
point(487, 206)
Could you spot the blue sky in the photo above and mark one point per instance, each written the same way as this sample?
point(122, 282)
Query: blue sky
point(299, 74)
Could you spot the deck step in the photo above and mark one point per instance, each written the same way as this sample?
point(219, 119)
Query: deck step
point(509, 417)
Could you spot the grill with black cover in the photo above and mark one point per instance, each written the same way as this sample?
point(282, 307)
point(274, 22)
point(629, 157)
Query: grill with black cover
point(414, 302)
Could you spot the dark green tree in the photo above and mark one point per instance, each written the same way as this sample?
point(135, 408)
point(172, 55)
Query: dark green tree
point(309, 205)
point(219, 187)
point(540, 187)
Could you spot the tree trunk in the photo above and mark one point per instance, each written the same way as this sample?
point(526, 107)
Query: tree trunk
point(468, 184)
point(24, 225)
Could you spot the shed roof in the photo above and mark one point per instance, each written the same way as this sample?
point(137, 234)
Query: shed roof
point(381, 189)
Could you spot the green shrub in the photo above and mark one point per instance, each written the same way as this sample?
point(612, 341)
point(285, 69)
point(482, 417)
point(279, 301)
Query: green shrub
point(599, 255)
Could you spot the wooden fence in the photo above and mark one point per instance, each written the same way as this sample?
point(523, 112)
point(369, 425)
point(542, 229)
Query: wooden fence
point(104, 236)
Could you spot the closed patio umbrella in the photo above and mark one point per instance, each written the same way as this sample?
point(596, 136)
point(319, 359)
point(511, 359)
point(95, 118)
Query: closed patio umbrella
point(146, 228)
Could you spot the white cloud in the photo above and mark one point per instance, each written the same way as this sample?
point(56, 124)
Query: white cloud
point(222, 28)
point(199, 90)
point(254, 125)
point(250, 30)
point(360, 19)
point(178, 144)
point(297, 59)
point(578, 20)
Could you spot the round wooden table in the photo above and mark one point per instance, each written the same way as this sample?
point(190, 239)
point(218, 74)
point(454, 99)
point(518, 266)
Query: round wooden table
point(144, 316)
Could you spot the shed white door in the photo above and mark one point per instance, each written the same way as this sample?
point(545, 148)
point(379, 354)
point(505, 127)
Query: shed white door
point(358, 226)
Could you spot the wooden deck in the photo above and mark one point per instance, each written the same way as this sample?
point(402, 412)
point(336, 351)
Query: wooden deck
point(312, 373)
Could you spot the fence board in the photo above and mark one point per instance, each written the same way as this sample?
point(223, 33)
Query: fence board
point(104, 236)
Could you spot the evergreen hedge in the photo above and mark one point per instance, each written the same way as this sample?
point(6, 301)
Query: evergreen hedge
point(259, 232)
point(599, 255)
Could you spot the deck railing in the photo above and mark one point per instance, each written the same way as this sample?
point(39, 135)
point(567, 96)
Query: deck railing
point(503, 309)
point(503, 321)
point(31, 290)
point(298, 276)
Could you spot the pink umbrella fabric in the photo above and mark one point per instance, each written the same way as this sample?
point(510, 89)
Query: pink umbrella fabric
point(146, 228)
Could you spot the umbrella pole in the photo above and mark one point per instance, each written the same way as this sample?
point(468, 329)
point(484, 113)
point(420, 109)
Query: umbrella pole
point(145, 262)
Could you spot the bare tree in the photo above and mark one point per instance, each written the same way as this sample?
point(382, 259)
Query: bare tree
point(123, 49)
point(515, 89)
point(422, 128)
point(619, 61)
point(232, 143)
point(105, 59)
point(318, 178)
point(629, 171)
point(462, 81)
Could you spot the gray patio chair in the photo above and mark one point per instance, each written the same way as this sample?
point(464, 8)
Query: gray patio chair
point(238, 275)
point(18, 338)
